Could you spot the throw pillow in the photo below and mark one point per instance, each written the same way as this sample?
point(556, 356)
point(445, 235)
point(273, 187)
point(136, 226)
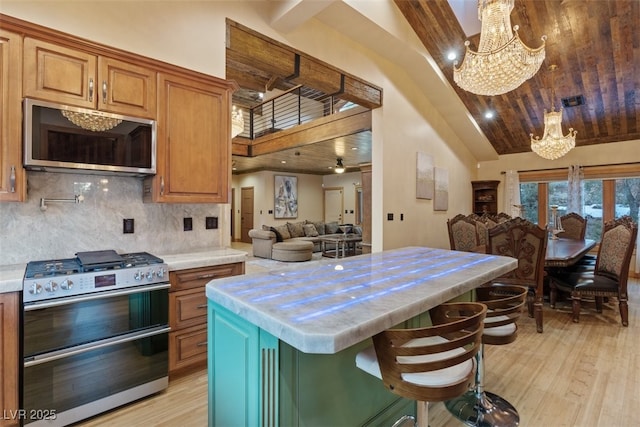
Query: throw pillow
point(331, 227)
point(319, 225)
point(310, 230)
point(296, 229)
point(277, 233)
point(284, 231)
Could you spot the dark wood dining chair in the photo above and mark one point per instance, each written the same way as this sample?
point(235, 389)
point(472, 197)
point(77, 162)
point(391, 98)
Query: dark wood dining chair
point(432, 363)
point(521, 239)
point(610, 275)
point(462, 234)
point(574, 226)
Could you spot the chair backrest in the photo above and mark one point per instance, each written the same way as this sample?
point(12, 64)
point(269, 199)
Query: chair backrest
point(483, 224)
point(454, 338)
point(525, 241)
point(574, 226)
point(462, 233)
point(616, 247)
point(504, 306)
point(503, 216)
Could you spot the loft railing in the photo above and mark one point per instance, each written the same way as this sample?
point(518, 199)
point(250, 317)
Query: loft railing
point(294, 107)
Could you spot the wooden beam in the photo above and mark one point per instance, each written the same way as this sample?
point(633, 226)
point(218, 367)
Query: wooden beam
point(333, 126)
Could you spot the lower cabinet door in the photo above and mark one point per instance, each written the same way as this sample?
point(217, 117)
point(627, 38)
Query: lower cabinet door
point(188, 347)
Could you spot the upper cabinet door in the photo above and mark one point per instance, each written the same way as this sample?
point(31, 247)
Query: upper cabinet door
point(126, 88)
point(194, 142)
point(73, 77)
point(59, 74)
point(12, 176)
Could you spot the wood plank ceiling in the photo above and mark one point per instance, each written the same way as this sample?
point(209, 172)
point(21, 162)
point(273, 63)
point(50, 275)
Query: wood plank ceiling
point(594, 43)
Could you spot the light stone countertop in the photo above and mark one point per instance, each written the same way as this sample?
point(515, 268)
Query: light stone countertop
point(11, 275)
point(327, 306)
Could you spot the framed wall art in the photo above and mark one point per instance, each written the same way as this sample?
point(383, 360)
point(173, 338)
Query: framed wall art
point(285, 197)
point(424, 176)
point(441, 196)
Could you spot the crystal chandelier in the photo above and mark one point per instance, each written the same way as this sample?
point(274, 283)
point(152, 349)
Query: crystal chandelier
point(237, 122)
point(553, 144)
point(503, 62)
point(92, 122)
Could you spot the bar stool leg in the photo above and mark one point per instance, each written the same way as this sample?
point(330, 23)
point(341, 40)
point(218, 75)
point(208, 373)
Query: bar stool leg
point(480, 408)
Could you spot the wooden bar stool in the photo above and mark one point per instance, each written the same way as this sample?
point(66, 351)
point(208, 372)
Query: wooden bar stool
point(428, 364)
point(478, 407)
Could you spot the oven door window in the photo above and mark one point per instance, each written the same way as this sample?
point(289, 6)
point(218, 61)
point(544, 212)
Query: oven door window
point(78, 379)
point(54, 328)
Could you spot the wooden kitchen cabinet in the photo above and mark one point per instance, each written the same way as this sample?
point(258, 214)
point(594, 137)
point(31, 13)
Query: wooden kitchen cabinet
point(76, 77)
point(12, 177)
point(485, 197)
point(9, 325)
point(194, 141)
point(188, 315)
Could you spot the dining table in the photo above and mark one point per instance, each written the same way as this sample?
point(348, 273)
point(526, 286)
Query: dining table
point(563, 252)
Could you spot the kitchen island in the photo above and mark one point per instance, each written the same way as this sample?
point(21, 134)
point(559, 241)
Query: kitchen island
point(282, 344)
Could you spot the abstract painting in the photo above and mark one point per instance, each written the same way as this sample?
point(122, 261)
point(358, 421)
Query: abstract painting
point(286, 196)
point(441, 197)
point(424, 176)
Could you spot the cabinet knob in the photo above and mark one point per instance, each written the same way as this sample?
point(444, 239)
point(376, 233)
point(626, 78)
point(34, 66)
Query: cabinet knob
point(90, 89)
point(12, 179)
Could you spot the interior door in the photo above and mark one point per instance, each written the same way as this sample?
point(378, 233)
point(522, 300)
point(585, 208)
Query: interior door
point(333, 204)
point(246, 213)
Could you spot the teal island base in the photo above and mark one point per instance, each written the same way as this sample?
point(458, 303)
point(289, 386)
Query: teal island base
point(257, 380)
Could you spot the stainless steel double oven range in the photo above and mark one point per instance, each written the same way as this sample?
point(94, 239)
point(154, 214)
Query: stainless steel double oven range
point(94, 334)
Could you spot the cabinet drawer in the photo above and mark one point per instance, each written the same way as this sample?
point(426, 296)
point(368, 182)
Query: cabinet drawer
point(187, 347)
point(199, 277)
point(187, 308)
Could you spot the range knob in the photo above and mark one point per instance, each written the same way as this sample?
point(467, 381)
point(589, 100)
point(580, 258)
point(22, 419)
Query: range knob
point(160, 273)
point(138, 275)
point(51, 286)
point(150, 274)
point(35, 289)
point(66, 285)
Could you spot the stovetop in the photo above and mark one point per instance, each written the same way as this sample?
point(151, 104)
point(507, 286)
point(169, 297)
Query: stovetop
point(91, 272)
point(89, 262)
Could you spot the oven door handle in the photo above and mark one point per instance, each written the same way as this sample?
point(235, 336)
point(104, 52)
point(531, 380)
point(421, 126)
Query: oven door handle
point(95, 296)
point(61, 354)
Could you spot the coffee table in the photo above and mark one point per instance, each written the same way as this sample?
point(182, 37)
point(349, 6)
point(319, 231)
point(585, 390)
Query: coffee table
point(345, 244)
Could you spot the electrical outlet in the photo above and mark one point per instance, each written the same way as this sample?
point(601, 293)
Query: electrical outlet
point(187, 224)
point(389, 217)
point(211, 222)
point(127, 225)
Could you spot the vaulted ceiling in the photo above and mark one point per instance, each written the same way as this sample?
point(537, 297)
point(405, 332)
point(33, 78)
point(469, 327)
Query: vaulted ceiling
point(594, 43)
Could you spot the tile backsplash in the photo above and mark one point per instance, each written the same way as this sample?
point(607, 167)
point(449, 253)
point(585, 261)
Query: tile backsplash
point(29, 233)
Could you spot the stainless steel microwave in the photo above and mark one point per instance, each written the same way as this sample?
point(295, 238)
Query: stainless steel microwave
point(61, 138)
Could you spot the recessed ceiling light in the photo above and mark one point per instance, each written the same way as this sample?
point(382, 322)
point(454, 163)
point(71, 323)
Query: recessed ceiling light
point(283, 161)
point(489, 114)
point(354, 148)
point(452, 56)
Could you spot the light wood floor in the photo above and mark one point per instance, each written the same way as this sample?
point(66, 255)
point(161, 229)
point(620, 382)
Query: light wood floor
point(585, 374)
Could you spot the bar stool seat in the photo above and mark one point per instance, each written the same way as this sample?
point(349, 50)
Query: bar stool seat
point(428, 364)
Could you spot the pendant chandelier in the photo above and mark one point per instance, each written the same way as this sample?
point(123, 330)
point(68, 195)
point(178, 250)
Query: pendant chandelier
point(237, 122)
point(503, 62)
point(553, 144)
point(92, 122)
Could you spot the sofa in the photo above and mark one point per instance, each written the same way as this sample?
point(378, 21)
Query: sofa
point(287, 239)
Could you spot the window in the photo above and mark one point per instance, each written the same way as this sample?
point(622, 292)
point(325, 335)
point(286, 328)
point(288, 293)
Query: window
point(608, 192)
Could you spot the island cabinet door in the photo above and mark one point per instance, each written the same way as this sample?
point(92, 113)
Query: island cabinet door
point(257, 380)
point(242, 370)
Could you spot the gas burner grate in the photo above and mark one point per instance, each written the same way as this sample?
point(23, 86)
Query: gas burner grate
point(46, 268)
